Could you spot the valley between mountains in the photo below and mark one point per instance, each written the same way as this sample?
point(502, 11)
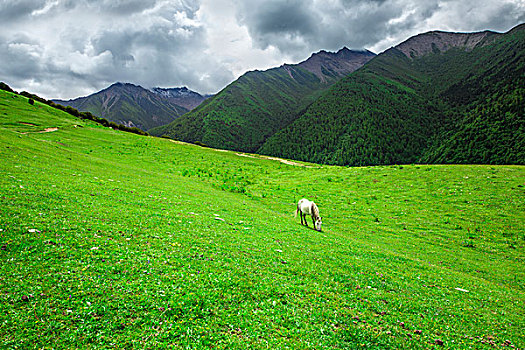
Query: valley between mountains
point(185, 237)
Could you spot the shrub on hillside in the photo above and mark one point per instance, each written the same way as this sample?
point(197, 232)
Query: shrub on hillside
point(5, 87)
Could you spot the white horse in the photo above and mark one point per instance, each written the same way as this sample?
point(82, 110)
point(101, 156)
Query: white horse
point(306, 207)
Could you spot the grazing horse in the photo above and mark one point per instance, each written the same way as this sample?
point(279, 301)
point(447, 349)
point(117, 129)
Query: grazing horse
point(306, 207)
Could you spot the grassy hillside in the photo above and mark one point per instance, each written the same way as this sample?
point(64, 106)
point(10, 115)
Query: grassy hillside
point(457, 106)
point(110, 239)
point(251, 109)
point(248, 111)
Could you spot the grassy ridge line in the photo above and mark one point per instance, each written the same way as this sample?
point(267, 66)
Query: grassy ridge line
point(249, 110)
point(72, 111)
point(167, 271)
point(258, 104)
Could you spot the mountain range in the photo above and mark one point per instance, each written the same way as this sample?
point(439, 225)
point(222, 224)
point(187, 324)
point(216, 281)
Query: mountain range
point(438, 97)
point(251, 109)
point(134, 106)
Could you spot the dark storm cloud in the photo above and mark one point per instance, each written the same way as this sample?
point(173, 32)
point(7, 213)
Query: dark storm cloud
point(310, 25)
point(293, 26)
point(14, 10)
point(285, 24)
point(122, 7)
point(18, 58)
point(278, 17)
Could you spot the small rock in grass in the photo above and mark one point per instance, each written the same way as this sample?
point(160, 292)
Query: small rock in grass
point(25, 298)
point(438, 342)
point(417, 331)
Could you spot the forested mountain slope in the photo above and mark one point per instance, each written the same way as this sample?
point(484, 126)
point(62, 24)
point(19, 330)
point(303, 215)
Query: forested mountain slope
point(437, 97)
point(251, 109)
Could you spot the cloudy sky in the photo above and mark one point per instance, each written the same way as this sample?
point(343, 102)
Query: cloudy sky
point(71, 48)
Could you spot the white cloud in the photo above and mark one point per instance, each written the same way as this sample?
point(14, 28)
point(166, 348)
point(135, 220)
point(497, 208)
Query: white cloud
point(84, 64)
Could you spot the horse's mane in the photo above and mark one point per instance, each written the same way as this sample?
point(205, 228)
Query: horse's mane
point(315, 210)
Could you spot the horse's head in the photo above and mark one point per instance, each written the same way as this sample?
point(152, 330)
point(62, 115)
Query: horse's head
point(318, 224)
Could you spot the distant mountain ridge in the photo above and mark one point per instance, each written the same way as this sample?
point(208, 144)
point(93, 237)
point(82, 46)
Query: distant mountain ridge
point(134, 106)
point(258, 104)
point(182, 96)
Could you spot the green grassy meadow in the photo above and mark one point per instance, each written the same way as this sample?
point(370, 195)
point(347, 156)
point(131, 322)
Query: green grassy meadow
point(113, 240)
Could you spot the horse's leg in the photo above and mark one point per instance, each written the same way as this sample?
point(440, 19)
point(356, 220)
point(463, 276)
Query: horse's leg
point(301, 213)
point(305, 221)
point(313, 221)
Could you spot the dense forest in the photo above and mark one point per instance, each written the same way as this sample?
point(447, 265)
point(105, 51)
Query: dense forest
point(456, 106)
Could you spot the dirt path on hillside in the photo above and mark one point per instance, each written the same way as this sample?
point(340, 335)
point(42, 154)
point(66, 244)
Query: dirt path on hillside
point(284, 161)
point(40, 132)
point(258, 156)
point(179, 142)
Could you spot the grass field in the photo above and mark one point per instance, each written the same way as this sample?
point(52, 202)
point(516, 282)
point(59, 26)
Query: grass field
point(114, 240)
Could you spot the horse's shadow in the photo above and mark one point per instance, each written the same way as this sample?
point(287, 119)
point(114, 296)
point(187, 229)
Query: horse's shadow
point(309, 227)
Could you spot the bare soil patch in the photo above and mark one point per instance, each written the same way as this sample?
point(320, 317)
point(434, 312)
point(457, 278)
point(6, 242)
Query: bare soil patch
point(40, 132)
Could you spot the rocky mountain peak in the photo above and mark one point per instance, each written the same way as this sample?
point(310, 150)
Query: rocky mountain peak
point(326, 65)
point(439, 41)
point(181, 95)
point(175, 92)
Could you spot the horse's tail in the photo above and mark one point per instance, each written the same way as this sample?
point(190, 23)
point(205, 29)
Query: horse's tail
point(298, 208)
